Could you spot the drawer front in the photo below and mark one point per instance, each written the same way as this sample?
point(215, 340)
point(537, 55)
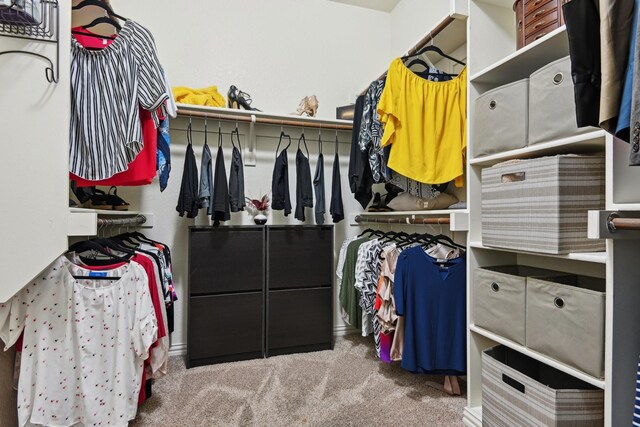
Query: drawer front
point(300, 257)
point(541, 32)
point(225, 325)
point(532, 7)
point(226, 260)
point(534, 25)
point(299, 318)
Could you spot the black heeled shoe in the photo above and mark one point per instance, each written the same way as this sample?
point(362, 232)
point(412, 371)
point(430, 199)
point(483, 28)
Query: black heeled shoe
point(237, 98)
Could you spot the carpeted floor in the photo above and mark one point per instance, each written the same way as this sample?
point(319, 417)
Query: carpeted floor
point(344, 387)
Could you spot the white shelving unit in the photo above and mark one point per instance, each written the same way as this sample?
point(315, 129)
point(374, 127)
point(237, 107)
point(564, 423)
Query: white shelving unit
point(84, 222)
point(494, 61)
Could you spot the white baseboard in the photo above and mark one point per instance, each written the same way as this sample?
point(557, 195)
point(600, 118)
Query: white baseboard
point(342, 330)
point(178, 349)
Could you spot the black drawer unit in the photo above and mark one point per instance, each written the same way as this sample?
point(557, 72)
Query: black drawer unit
point(256, 291)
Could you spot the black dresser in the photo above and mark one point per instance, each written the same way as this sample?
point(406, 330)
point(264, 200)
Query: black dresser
point(259, 291)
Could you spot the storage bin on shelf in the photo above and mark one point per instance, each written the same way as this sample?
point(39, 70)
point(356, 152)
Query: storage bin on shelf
point(520, 391)
point(499, 299)
point(541, 205)
point(501, 119)
point(565, 320)
point(552, 109)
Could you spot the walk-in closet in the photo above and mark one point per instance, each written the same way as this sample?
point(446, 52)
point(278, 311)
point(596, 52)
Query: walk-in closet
point(320, 213)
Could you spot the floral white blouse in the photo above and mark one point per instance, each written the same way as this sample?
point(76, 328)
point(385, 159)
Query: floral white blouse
point(84, 345)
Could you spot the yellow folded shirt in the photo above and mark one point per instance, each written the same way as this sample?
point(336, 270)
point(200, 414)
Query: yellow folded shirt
point(208, 96)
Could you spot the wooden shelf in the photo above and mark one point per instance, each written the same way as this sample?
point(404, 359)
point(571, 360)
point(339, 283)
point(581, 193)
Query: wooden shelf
point(587, 142)
point(600, 383)
point(228, 114)
point(521, 63)
point(593, 257)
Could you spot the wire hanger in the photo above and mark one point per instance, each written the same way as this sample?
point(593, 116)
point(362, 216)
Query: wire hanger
point(219, 138)
point(283, 135)
point(432, 48)
point(319, 141)
point(336, 142)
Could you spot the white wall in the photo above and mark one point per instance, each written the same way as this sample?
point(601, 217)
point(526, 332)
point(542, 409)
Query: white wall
point(412, 19)
point(278, 51)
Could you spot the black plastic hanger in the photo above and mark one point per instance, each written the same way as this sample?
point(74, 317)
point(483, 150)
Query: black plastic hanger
point(283, 135)
point(426, 73)
point(103, 20)
point(236, 132)
point(99, 4)
point(304, 140)
point(91, 245)
point(432, 48)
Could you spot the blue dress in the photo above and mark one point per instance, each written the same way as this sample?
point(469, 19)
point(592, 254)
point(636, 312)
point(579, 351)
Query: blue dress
point(432, 298)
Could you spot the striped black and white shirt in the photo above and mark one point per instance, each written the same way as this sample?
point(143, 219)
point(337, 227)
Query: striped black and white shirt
point(107, 86)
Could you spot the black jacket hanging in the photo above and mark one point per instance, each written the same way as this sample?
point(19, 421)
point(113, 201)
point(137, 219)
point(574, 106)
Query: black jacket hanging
point(336, 209)
point(304, 190)
point(188, 198)
point(281, 200)
point(360, 176)
point(236, 177)
point(221, 210)
point(318, 186)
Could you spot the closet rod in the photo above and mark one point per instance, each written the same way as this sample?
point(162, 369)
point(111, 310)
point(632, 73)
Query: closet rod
point(423, 42)
point(407, 220)
point(138, 220)
point(263, 120)
point(624, 223)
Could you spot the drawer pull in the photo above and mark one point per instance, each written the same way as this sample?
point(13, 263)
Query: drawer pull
point(558, 302)
point(542, 12)
point(558, 78)
point(493, 104)
point(537, 2)
point(495, 287)
point(514, 177)
point(539, 24)
point(539, 36)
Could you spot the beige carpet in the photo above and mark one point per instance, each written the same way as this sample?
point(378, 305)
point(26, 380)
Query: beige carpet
point(344, 387)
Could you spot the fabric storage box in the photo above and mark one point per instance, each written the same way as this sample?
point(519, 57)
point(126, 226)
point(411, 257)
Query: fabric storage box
point(552, 110)
point(501, 118)
point(499, 299)
point(540, 205)
point(565, 320)
point(518, 391)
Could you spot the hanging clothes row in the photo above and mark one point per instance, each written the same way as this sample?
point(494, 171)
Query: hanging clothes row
point(91, 329)
point(409, 131)
point(133, 146)
point(409, 291)
point(215, 194)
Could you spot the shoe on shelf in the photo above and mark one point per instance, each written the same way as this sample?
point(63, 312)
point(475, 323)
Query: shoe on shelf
point(116, 202)
point(376, 204)
point(308, 105)
point(99, 200)
point(238, 99)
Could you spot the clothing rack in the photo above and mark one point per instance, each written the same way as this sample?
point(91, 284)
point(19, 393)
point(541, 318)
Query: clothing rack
point(407, 220)
point(615, 223)
point(135, 221)
point(422, 43)
point(257, 118)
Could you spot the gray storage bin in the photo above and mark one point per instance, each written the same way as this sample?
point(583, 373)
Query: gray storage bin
point(552, 110)
point(565, 320)
point(541, 205)
point(499, 299)
point(518, 391)
point(501, 118)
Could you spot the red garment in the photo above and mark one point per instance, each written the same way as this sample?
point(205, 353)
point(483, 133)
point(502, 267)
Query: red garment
point(143, 168)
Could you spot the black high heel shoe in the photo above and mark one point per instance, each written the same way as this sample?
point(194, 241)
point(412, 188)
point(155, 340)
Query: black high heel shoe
point(237, 98)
